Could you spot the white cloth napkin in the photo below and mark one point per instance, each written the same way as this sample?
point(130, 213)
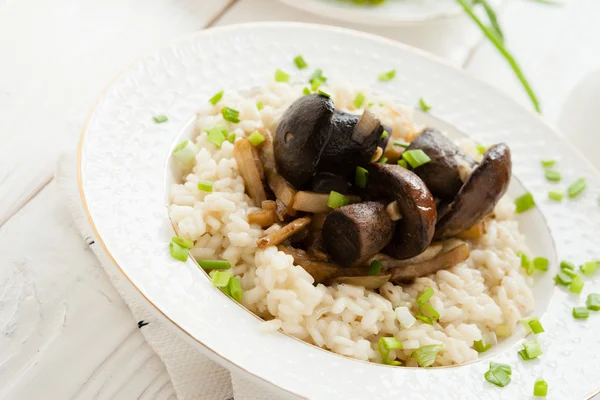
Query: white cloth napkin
point(193, 375)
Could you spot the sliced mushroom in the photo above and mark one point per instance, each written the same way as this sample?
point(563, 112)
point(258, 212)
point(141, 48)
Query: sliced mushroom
point(371, 282)
point(282, 234)
point(284, 192)
point(442, 174)
point(391, 262)
point(244, 156)
point(264, 218)
point(354, 233)
point(444, 260)
point(413, 233)
point(479, 195)
point(316, 202)
point(325, 182)
point(474, 232)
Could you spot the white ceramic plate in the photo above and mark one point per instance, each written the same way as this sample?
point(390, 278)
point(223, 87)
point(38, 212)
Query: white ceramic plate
point(392, 12)
point(123, 173)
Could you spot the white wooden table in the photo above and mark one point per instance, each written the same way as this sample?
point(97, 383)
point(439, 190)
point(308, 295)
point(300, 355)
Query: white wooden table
point(64, 332)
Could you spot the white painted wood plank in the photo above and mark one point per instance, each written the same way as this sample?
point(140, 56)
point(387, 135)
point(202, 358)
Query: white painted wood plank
point(57, 56)
point(451, 39)
point(64, 331)
point(557, 46)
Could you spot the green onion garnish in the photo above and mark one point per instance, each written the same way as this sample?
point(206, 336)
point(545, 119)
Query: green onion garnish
point(359, 100)
point(214, 264)
point(256, 138)
point(185, 152)
point(375, 268)
point(235, 289)
point(386, 344)
point(580, 312)
point(577, 187)
point(416, 158)
point(387, 76)
point(548, 163)
point(216, 98)
point(536, 326)
point(481, 149)
point(569, 272)
point(231, 138)
point(205, 186)
point(383, 160)
point(564, 264)
point(392, 362)
point(524, 203)
point(425, 296)
point(563, 279)
point(322, 93)
point(540, 388)
point(178, 252)
point(281, 76)
point(403, 164)
point(183, 242)
point(552, 175)
point(259, 105)
point(337, 200)
point(361, 177)
point(541, 263)
point(300, 63)
point(593, 302)
point(556, 196)
point(480, 347)
point(424, 106)
point(431, 315)
point(217, 136)
point(576, 285)
point(533, 349)
point(526, 263)
point(498, 374)
point(384, 134)
point(589, 268)
point(220, 279)
point(306, 91)
point(159, 119)
point(231, 115)
point(401, 144)
point(426, 355)
point(317, 79)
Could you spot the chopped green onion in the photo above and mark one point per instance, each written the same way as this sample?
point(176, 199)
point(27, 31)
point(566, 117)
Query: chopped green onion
point(498, 376)
point(231, 138)
point(386, 344)
point(536, 326)
point(589, 268)
point(553, 176)
point(220, 279)
point(593, 302)
point(548, 163)
point(416, 158)
point(185, 153)
point(403, 164)
point(259, 105)
point(231, 115)
point(235, 289)
point(256, 138)
point(387, 76)
point(569, 272)
point(556, 196)
point(281, 76)
point(359, 100)
point(533, 349)
point(214, 264)
point(375, 268)
point(306, 91)
point(183, 242)
point(392, 362)
point(300, 63)
point(504, 367)
point(216, 98)
point(424, 106)
point(217, 136)
point(159, 119)
point(564, 264)
point(523, 355)
point(576, 285)
point(337, 200)
point(322, 93)
point(540, 388)
point(433, 314)
point(361, 177)
point(178, 252)
point(401, 144)
point(563, 279)
point(383, 160)
point(541, 263)
point(205, 186)
point(317, 79)
point(480, 347)
point(481, 149)
point(426, 355)
point(524, 203)
point(577, 187)
point(526, 263)
point(425, 296)
point(384, 134)
point(580, 312)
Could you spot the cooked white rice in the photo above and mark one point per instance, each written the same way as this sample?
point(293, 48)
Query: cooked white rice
point(487, 293)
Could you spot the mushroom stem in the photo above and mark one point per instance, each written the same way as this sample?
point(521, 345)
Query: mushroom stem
point(443, 261)
point(244, 157)
point(282, 234)
point(391, 262)
point(264, 218)
point(316, 202)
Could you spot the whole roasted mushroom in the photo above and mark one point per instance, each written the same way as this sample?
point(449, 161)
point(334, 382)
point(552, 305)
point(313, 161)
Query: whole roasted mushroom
point(414, 232)
point(478, 196)
point(441, 174)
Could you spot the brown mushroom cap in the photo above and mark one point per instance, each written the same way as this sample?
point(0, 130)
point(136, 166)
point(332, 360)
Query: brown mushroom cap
point(479, 195)
point(354, 233)
point(414, 232)
point(441, 174)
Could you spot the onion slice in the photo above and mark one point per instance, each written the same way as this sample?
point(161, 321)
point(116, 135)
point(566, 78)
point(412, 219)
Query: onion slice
point(367, 123)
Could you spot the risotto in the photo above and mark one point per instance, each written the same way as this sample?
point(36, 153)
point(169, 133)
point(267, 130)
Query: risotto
point(478, 300)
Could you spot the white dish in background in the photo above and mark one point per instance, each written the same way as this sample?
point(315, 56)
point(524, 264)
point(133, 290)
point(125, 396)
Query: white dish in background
point(123, 155)
point(390, 13)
